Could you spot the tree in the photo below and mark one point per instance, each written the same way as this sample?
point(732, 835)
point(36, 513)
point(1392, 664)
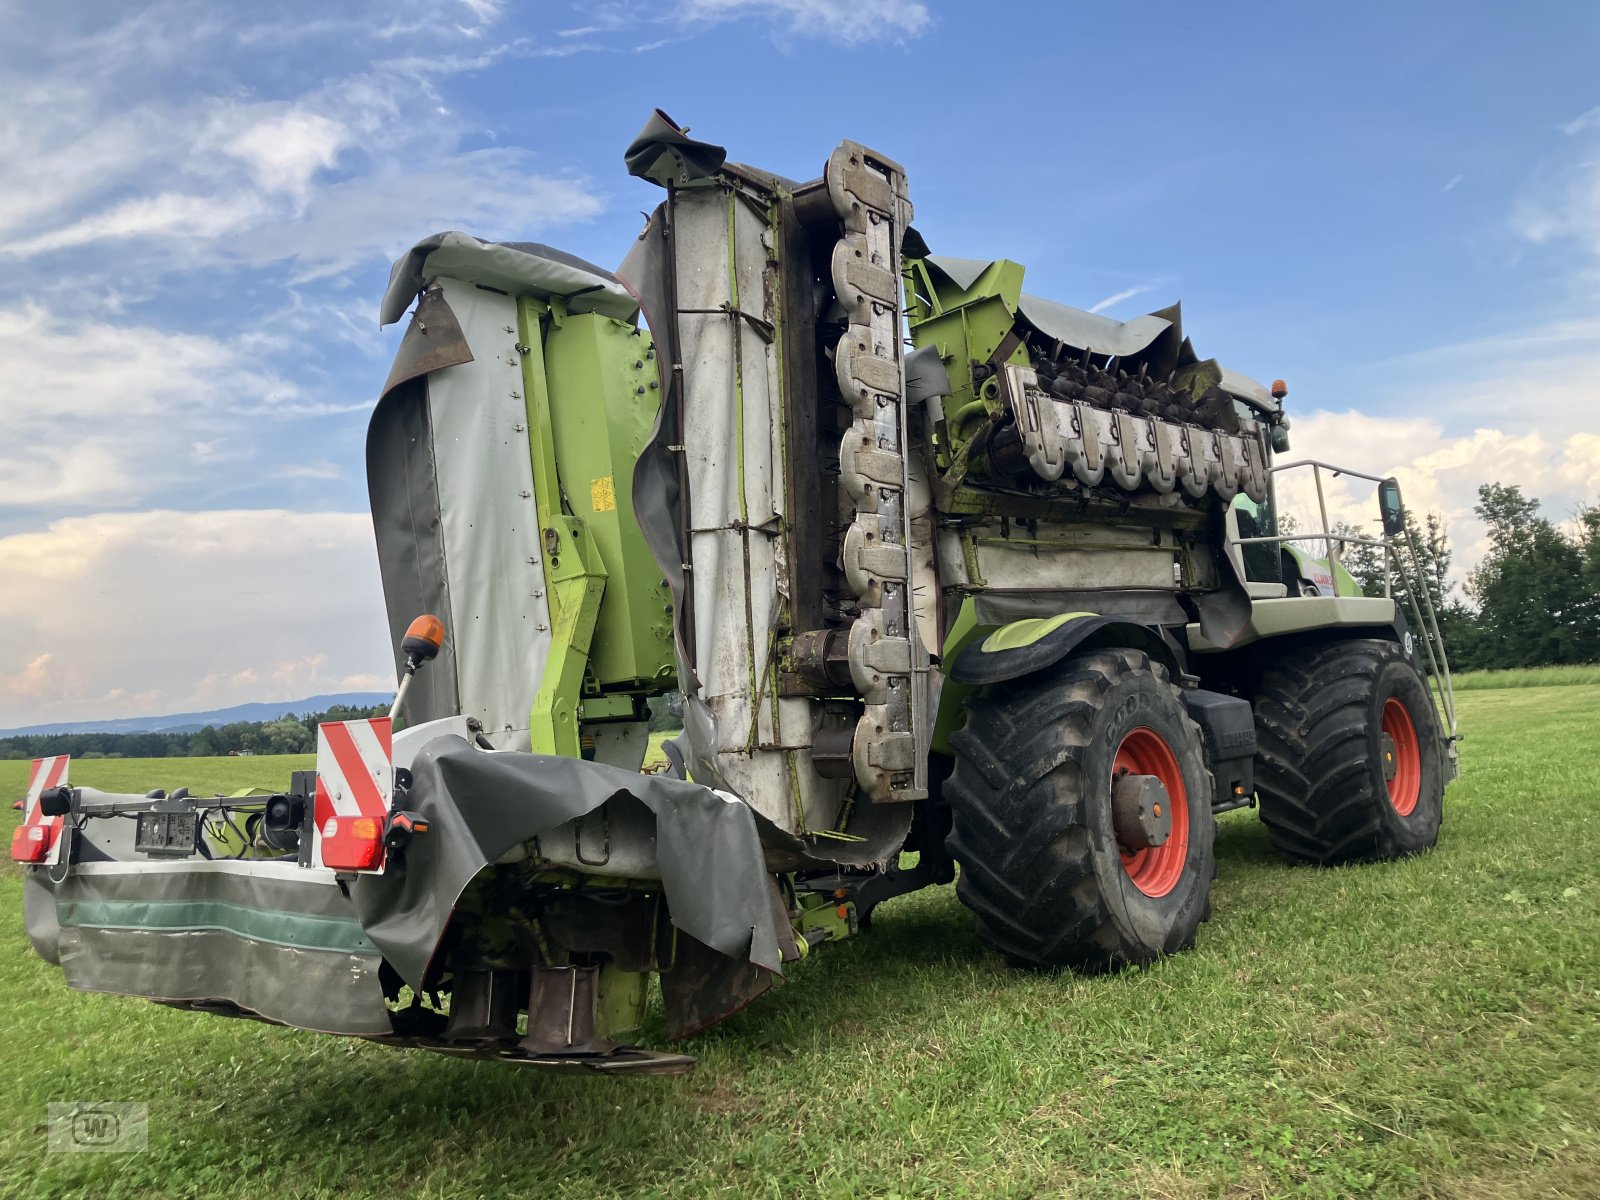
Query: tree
point(1537, 599)
point(240, 735)
point(1589, 543)
point(1365, 563)
point(1424, 553)
point(286, 735)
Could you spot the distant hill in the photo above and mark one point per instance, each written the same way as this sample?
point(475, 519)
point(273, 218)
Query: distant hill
point(190, 722)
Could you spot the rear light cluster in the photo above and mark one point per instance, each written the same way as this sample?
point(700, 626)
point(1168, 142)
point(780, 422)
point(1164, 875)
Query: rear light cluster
point(352, 843)
point(32, 843)
point(48, 799)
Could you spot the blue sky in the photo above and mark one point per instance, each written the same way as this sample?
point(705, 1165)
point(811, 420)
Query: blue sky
point(1394, 207)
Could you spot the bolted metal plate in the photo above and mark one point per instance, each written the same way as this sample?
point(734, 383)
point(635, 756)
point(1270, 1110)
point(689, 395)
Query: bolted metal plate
point(1141, 812)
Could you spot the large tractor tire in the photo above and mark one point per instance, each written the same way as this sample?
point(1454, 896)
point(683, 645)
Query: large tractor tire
point(1349, 761)
point(1043, 865)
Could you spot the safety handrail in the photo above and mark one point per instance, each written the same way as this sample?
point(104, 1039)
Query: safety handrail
point(1421, 611)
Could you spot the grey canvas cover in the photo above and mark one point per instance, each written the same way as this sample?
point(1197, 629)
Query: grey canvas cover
point(267, 939)
point(271, 939)
point(450, 479)
point(480, 805)
point(519, 268)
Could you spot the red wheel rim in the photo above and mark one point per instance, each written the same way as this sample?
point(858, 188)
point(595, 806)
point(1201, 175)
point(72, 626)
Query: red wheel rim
point(1405, 785)
point(1155, 870)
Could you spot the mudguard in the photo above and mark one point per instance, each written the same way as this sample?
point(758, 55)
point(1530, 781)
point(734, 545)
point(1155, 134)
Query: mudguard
point(1024, 647)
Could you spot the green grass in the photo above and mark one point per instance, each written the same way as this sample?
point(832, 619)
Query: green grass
point(1424, 1028)
point(202, 776)
point(1523, 677)
point(653, 756)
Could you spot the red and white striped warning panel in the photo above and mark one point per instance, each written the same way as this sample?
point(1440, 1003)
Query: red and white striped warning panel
point(355, 783)
point(38, 839)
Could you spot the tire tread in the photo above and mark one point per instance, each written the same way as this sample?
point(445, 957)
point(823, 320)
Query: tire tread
point(1027, 869)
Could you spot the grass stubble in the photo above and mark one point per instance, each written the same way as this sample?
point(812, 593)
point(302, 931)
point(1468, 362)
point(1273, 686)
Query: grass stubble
point(1421, 1028)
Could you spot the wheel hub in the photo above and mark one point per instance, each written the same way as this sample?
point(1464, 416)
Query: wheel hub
point(1151, 823)
point(1141, 812)
point(1402, 756)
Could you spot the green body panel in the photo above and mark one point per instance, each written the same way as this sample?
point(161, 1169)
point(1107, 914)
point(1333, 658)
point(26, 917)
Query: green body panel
point(820, 914)
point(588, 357)
point(616, 706)
point(1027, 632)
point(610, 619)
point(967, 325)
point(953, 695)
point(1344, 583)
point(575, 577)
point(965, 630)
point(620, 998)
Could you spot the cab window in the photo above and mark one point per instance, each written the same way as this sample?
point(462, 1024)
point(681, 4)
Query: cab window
point(1261, 561)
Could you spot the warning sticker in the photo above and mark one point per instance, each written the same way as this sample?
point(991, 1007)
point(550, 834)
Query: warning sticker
point(603, 495)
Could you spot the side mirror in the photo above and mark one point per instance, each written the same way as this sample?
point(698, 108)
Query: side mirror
point(1278, 434)
point(1390, 509)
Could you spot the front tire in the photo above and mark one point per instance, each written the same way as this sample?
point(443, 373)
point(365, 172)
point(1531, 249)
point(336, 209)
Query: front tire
point(1350, 763)
point(1033, 826)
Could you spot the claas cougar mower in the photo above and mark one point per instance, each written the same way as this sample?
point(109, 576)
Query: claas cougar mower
point(948, 582)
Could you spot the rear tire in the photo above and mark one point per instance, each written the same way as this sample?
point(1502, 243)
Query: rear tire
point(1350, 764)
point(1030, 799)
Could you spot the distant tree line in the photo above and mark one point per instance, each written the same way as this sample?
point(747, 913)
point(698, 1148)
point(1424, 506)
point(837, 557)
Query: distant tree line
point(286, 735)
point(1532, 601)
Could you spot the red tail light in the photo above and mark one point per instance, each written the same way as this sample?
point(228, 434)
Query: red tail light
point(31, 843)
point(351, 843)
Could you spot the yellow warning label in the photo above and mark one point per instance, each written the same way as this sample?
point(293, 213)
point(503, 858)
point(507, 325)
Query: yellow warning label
point(603, 495)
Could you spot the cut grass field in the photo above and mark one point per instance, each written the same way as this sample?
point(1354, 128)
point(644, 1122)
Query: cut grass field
point(1420, 1028)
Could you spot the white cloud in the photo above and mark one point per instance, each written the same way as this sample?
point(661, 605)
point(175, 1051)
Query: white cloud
point(124, 614)
point(1565, 207)
point(321, 469)
point(1439, 472)
point(1515, 405)
point(494, 193)
point(171, 173)
point(32, 681)
point(95, 411)
point(486, 11)
point(285, 153)
point(168, 214)
point(1544, 376)
point(1561, 203)
point(842, 20)
point(1582, 122)
point(1117, 298)
point(141, 173)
